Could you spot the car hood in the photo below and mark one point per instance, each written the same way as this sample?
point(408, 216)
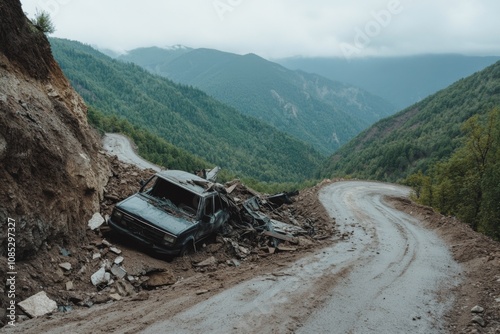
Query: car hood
point(150, 211)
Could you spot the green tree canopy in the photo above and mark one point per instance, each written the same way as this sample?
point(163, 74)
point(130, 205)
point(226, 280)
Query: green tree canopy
point(43, 22)
point(467, 185)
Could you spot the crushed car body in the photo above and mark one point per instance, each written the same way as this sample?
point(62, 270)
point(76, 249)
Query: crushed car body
point(172, 212)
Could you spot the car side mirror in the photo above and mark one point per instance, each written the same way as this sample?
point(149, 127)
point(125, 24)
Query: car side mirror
point(142, 183)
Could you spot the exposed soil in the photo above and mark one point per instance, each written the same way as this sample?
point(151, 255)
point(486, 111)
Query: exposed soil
point(480, 258)
point(148, 273)
point(51, 172)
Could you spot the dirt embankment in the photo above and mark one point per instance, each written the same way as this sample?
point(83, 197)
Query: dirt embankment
point(480, 258)
point(51, 171)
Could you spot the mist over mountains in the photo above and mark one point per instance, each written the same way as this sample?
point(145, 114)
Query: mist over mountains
point(402, 81)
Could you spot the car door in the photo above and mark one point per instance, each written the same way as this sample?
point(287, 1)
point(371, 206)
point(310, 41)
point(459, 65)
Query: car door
point(205, 226)
point(221, 214)
point(213, 216)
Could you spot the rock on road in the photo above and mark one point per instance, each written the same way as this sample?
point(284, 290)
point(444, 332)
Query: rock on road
point(389, 276)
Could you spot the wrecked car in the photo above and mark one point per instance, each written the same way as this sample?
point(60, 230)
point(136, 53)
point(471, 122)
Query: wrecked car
point(172, 212)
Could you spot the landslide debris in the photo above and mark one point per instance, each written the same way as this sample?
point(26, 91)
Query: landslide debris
point(51, 172)
point(107, 268)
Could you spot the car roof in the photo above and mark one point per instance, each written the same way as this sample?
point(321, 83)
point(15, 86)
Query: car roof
point(186, 180)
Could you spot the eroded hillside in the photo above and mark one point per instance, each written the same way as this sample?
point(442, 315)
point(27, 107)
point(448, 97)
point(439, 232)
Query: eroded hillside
point(51, 171)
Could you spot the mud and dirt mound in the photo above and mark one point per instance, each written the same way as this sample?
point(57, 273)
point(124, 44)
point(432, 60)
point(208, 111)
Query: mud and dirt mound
point(51, 172)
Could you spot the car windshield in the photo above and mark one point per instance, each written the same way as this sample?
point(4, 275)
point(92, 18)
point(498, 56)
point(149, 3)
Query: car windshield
point(171, 196)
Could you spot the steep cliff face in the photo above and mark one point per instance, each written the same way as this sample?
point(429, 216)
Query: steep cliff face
point(51, 172)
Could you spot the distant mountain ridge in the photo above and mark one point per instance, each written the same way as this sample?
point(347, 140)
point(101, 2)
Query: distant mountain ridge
point(419, 136)
point(402, 81)
point(321, 112)
point(185, 117)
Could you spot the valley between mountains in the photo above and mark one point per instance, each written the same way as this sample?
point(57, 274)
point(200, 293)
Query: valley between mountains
point(364, 258)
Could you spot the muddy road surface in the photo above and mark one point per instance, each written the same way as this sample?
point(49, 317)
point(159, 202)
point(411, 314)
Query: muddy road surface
point(386, 274)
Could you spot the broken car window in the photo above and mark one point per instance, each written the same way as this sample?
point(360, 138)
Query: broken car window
point(173, 196)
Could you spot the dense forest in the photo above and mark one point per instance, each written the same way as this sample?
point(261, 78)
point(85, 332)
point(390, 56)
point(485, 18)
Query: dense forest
point(467, 185)
point(316, 110)
point(419, 136)
point(186, 117)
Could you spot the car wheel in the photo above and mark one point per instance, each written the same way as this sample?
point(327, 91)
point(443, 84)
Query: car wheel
point(186, 249)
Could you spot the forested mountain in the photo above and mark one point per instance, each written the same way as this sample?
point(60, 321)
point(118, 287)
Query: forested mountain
point(324, 113)
point(402, 81)
point(467, 184)
point(419, 136)
point(185, 116)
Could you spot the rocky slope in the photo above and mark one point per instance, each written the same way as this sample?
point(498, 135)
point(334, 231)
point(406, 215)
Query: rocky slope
point(51, 171)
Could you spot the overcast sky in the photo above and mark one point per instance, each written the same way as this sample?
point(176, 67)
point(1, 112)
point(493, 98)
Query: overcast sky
point(282, 28)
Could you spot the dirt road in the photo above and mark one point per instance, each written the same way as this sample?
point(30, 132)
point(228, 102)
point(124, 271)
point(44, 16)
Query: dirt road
point(389, 276)
point(120, 146)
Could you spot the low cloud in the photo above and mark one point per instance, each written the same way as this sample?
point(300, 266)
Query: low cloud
point(282, 28)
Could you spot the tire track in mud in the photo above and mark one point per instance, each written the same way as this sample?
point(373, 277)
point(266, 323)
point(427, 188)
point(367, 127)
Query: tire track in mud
point(384, 278)
point(395, 291)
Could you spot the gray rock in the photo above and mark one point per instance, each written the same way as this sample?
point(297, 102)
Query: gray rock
point(234, 262)
point(70, 286)
point(66, 266)
point(115, 296)
point(115, 250)
point(118, 271)
point(478, 320)
point(96, 221)
point(106, 243)
point(477, 309)
point(99, 277)
point(38, 305)
point(208, 262)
